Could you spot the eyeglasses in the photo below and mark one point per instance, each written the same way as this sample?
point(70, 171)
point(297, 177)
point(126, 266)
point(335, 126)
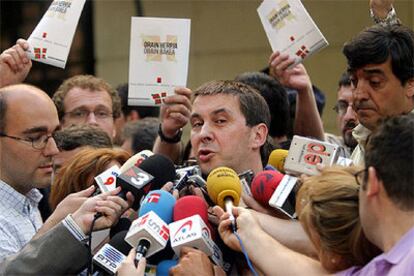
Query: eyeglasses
point(81, 115)
point(37, 143)
point(361, 177)
point(341, 107)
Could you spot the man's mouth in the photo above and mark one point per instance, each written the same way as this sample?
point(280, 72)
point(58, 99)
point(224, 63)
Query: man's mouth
point(205, 155)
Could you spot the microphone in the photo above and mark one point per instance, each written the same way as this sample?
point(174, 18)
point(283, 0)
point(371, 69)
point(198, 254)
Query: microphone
point(106, 181)
point(136, 160)
point(277, 159)
point(305, 153)
point(190, 205)
point(111, 255)
point(190, 228)
point(224, 188)
point(264, 184)
point(150, 232)
point(151, 174)
point(163, 268)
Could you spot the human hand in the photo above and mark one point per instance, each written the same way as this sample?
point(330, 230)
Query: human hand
point(295, 77)
point(14, 64)
point(108, 204)
point(128, 267)
point(175, 111)
point(192, 260)
point(247, 226)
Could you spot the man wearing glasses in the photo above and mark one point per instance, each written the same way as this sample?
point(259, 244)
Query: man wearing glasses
point(346, 118)
point(28, 119)
point(85, 99)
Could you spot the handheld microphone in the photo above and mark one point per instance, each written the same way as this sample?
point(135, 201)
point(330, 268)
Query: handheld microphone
point(224, 188)
point(305, 154)
point(136, 160)
point(163, 268)
point(106, 181)
point(150, 232)
point(190, 228)
point(151, 174)
point(111, 255)
point(277, 159)
point(264, 184)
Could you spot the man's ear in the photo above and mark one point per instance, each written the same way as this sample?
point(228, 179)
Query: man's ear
point(410, 88)
point(259, 135)
point(372, 182)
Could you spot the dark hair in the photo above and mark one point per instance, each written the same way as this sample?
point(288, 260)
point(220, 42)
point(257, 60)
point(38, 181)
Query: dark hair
point(345, 80)
point(276, 98)
point(391, 152)
point(252, 105)
point(145, 132)
point(376, 44)
point(143, 111)
point(85, 82)
point(82, 135)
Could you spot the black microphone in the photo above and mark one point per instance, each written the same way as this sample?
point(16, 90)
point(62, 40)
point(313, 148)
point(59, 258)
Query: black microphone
point(108, 259)
point(150, 175)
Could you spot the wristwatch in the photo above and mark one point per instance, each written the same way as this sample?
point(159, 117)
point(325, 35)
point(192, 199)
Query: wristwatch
point(173, 140)
point(390, 19)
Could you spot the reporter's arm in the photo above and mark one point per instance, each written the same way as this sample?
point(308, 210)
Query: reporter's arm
point(267, 254)
point(289, 233)
point(57, 252)
point(307, 119)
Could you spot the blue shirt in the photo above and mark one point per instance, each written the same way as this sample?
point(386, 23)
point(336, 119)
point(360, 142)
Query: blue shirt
point(399, 261)
point(19, 218)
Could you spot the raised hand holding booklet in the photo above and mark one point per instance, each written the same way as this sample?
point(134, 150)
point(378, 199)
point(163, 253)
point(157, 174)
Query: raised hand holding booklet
point(158, 58)
point(51, 40)
point(290, 29)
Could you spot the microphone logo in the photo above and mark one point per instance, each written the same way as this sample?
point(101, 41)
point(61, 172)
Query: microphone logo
point(144, 219)
point(153, 198)
point(205, 232)
point(186, 227)
point(165, 232)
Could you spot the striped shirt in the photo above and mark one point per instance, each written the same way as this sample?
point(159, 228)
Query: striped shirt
point(19, 218)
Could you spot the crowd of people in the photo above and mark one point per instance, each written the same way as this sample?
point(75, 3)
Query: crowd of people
point(351, 220)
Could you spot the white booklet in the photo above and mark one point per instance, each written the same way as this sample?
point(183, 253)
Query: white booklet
point(51, 40)
point(158, 58)
point(290, 29)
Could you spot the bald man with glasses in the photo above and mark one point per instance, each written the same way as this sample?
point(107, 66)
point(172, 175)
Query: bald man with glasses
point(28, 122)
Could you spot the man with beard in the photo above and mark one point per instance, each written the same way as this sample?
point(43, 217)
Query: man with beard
point(346, 117)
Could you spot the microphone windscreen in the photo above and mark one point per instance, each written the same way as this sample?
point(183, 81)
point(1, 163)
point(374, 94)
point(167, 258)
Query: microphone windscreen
point(190, 205)
point(163, 267)
point(136, 160)
point(277, 159)
point(160, 202)
point(161, 168)
point(264, 184)
point(122, 225)
point(223, 182)
point(118, 241)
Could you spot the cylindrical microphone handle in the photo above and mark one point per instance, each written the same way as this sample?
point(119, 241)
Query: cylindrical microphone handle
point(141, 250)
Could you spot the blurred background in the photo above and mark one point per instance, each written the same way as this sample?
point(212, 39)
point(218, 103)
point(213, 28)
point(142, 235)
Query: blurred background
point(227, 38)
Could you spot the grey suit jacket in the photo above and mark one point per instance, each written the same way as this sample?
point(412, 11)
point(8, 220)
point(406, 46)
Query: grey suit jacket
point(57, 252)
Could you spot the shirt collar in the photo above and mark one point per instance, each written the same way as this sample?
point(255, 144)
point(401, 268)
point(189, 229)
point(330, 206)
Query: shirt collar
point(401, 249)
point(361, 134)
point(11, 198)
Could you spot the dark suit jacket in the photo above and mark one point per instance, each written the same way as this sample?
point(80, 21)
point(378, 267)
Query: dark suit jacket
point(57, 252)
